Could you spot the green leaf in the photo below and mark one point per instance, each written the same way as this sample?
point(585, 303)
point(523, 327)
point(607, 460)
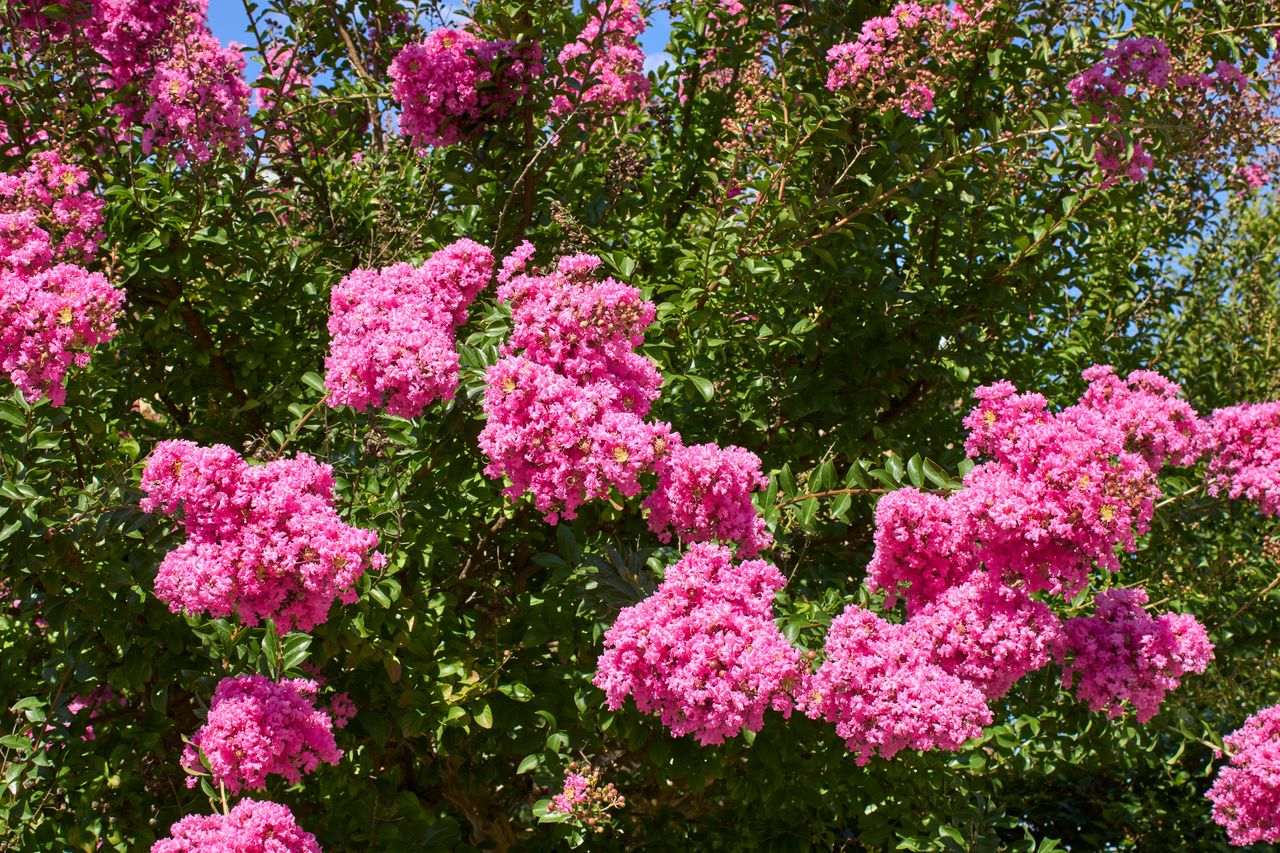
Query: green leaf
point(704, 386)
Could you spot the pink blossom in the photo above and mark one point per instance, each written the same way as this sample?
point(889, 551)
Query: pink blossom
point(907, 55)
point(922, 547)
point(1062, 492)
point(1246, 794)
point(453, 84)
point(563, 441)
point(258, 728)
point(882, 690)
point(250, 827)
point(604, 66)
point(263, 541)
point(199, 101)
point(1145, 406)
point(393, 330)
point(1243, 444)
point(1122, 656)
point(703, 651)
point(47, 320)
point(565, 406)
point(986, 633)
point(1254, 177)
point(48, 215)
point(704, 494)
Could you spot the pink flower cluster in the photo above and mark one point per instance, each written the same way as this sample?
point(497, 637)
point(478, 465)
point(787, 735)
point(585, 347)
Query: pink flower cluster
point(704, 494)
point(566, 415)
point(1243, 443)
point(285, 66)
point(1062, 492)
point(263, 541)
point(1246, 794)
point(986, 633)
point(177, 80)
point(1139, 69)
point(584, 799)
point(566, 411)
point(703, 651)
point(47, 320)
point(47, 215)
point(250, 827)
point(257, 728)
point(133, 35)
point(885, 693)
point(901, 60)
point(1253, 176)
point(199, 100)
point(1122, 656)
point(604, 67)
point(453, 84)
point(393, 330)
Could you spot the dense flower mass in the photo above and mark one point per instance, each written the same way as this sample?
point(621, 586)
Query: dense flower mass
point(453, 84)
point(48, 215)
point(903, 59)
point(257, 728)
point(393, 330)
point(199, 100)
point(251, 826)
point(604, 66)
point(566, 404)
point(922, 547)
point(1246, 794)
point(704, 494)
point(1062, 492)
point(1243, 444)
point(882, 690)
point(986, 633)
point(703, 651)
point(263, 541)
point(47, 320)
point(1122, 656)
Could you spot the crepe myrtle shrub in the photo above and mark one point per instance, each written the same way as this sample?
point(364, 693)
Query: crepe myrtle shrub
point(698, 425)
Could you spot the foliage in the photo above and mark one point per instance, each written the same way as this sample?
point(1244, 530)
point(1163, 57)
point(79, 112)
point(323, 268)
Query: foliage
point(832, 282)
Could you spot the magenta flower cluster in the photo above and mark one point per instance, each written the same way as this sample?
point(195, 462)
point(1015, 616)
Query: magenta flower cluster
point(585, 799)
point(902, 60)
point(704, 495)
point(452, 85)
point(393, 330)
point(198, 98)
point(1243, 443)
point(603, 69)
point(1253, 176)
point(703, 651)
point(258, 728)
point(1062, 493)
point(48, 215)
point(885, 693)
point(566, 403)
point(1246, 794)
point(986, 633)
point(1122, 657)
point(1137, 69)
point(263, 541)
point(175, 79)
point(47, 320)
point(566, 411)
point(250, 827)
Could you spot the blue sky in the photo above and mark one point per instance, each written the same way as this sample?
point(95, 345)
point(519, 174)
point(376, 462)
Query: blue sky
point(228, 21)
